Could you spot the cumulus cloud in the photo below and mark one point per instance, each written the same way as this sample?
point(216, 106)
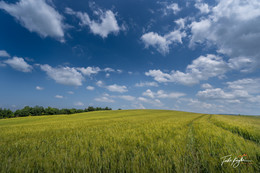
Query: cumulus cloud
point(162, 43)
point(91, 88)
point(215, 93)
point(233, 26)
point(70, 92)
point(3, 53)
point(59, 97)
point(163, 94)
point(104, 99)
point(239, 91)
point(19, 64)
point(139, 106)
point(64, 75)
point(79, 104)
point(39, 88)
point(155, 102)
point(244, 64)
point(116, 88)
point(148, 93)
point(251, 85)
point(100, 83)
point(107, 22)
point(202, 105)
point(89, 70)
point(112, 88)
point(174, 95)
point(203, 7)
point(108, 69)
point(174, 7)
point(206, 86)
point(180, 22)
point(127, 97)
point(37, 16)
point(147, 84)
point(201, 68)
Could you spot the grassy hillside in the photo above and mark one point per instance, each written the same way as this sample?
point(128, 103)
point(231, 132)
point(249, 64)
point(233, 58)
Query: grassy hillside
point(129, 141)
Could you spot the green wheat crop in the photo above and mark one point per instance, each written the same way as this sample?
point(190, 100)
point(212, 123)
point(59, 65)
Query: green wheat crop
point(128, 141)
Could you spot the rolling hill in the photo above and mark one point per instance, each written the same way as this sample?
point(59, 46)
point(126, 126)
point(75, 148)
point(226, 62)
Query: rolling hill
point(130, 141)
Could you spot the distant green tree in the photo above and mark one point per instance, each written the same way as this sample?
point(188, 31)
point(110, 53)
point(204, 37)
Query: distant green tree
point(91, 108)
point(65, 111)
point(6, 113)
point(38, 110)
point(79, 110)
point(107, 108)
point(50, 111)
point(73, 111)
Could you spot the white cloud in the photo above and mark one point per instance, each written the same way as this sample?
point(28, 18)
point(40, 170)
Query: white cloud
point(243, 64)
point(107, 22)
point(108, 69)
point(239, 91)
point(251, 85)
point(181, 22)
point(59, 97)
point(79, 104)
point(148, 93)
point(39, 88)
point(3, 53)
point(159, 76)
point(143, 99)
point(104, 99)
point(215, 93)
point(64, 75)
point(100, 83)
point(70, 92)
point(146, 84)
point(37, 16)
point(201, 68)
point(202, 105)
point(91, 88)
point(162, 43)
point(155, 102)
point(234, 27)
point(89, 70)
point(174, 7)
point(117, 88)
point(199, 30)
point(113, 88)
point(203, 7)
point(127, 97)
point(163, 94)
point(119, 71)
point(19, 64)
point(156, 41)
point(206, 86)
point(174, 95)
point(139, 106)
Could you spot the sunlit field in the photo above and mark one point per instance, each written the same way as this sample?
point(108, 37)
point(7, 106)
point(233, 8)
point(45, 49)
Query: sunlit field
point(129, 141)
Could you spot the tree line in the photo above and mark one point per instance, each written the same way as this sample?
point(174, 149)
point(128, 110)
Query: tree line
point(39, 110)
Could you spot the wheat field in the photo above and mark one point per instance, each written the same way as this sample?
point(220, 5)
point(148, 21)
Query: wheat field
point(129, 141)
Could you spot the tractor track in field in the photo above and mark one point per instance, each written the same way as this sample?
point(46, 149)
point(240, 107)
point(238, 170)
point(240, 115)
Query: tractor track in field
point(244, 135)
point(193, 155)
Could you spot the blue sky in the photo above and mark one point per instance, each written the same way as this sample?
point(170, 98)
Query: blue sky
point(194, 55)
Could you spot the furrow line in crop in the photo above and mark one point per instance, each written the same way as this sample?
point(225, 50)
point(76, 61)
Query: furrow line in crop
point(235, 130)
point(192, 156)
